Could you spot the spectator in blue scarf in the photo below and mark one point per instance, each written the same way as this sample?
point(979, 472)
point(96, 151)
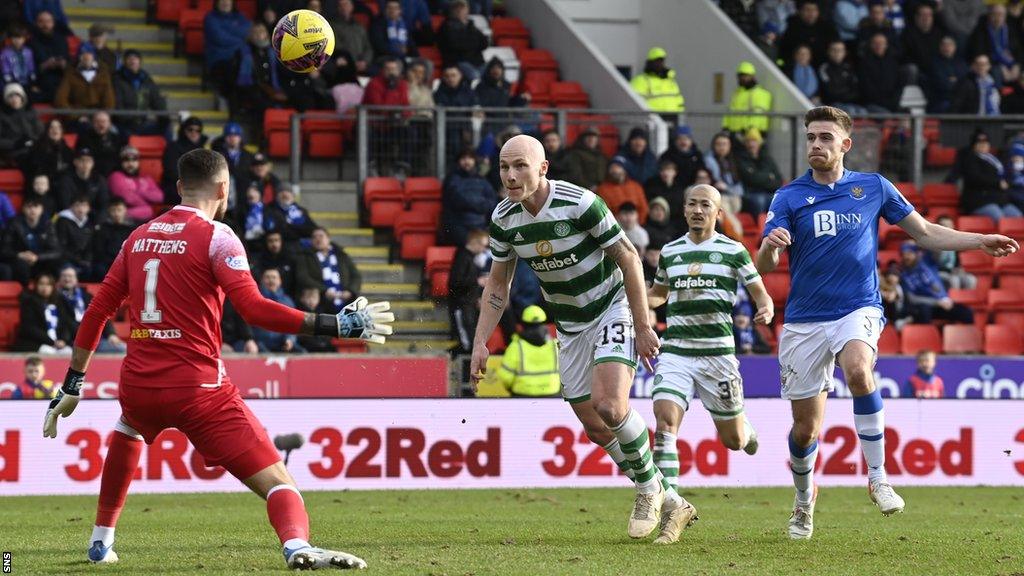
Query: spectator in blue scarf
point(978, 92)
point(252, 219)
point(73, 300)
point(985, 190)
point(341, 280)
point(291, 219)
point(802, 73)
point(416, 16)
point(390, 33)
point(994, 38)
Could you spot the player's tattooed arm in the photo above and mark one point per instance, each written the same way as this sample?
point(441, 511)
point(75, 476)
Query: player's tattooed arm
point(621, 251)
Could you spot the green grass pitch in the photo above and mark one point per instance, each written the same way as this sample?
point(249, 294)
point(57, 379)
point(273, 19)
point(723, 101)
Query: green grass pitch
point(535, 532)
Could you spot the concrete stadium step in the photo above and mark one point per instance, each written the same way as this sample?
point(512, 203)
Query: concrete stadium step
point(126, 33)
point(397, 291)
point(327, 200)
point(175, 82)
point(150, 49)
point(419, 310)
point(334, 218)
point(368, 254)
point(166, 65)
point(382, 273)
point(352, 236)
point(101, 14)
point(406, 327)
point(189, 100)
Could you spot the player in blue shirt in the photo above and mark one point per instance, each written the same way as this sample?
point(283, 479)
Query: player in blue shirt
point(828, 219)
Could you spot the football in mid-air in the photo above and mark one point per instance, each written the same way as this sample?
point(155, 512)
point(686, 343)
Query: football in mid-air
point(303, 41)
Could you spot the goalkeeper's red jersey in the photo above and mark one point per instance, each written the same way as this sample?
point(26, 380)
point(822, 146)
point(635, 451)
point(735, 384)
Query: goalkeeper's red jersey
point(175, 271)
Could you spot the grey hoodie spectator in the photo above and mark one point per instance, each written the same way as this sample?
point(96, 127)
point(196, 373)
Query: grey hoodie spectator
point(640, 161)
point(961, 16)
point(468, 201)
point(460, 41)
point(19, 124)
point(351, 36)
point(134, 89)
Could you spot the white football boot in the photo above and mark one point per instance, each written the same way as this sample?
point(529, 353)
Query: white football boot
point(646, 512)
point(312, 558)
point(887, 500)
point(801, 522)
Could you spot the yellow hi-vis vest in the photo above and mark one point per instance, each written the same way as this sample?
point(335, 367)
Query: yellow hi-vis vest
point(528, 370)
point(661, 94)
point(756, 99)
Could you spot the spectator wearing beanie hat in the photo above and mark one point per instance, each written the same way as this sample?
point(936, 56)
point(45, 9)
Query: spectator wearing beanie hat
point(190, 137)
point(98, 35)
point(230, 145)
point(135, 89)
point(768, 41)
point(618, 188)
point(660, 228)
point(640, 161)
point(139, 192)
point(686, 155)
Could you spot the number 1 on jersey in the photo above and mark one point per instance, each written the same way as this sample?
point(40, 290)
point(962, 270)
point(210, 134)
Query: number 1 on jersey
point(149, 313)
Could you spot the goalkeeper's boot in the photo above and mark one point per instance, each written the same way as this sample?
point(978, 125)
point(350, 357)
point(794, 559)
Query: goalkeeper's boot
point(312, 558)
point(674, 521)
point(887, 500)
point(646, 512)
point(801, 522)
point(100, 554)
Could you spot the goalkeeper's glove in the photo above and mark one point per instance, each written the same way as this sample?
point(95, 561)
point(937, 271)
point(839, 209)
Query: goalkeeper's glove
point(65, 402)
point(360, 319)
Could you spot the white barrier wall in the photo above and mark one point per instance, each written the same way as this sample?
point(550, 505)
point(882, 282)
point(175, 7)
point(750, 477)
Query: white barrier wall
point(397, 444)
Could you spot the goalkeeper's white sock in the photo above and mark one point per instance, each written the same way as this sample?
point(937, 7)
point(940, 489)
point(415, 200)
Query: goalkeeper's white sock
point(104, 534)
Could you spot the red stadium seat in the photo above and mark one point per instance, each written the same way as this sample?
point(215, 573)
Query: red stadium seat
point(384, 199)
point(167, 11)
point(416, 232)
point(569, 95)
point(1015, 283)
point(71, 140)
point(9, 293)
point(325, 137)
point(887, 256)
point(12, 181)
point(961, 339)
point(976, 299)
point(778, 287)
point(149, 146)
point(889, 341)
point(977, 262)
point(911, 193)
point(939, 156)
point(936, 212)
point(247, 8)
point(152, 167)
point(16, 199)
point(509, 28)
point(437, 266)
point(277, 131)
point(515, 43)
point(439, 282)
point(433, 54)
point(979, 224)
point(1002, 340)
point(496, 343)
point(941, 194)
point(918, 337)
point(190, 31)
point(423, 193)
point(9, 319)
point(1013, 319)
point(1012, 227)
point(1012, 264)
point(1005, 300)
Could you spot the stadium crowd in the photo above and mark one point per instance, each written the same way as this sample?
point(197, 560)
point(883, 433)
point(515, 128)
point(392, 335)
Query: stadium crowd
point(80, 202)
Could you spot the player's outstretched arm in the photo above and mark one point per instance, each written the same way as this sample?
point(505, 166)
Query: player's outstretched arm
point(934, 237)
point(492, 305)
point(360, 319)
point(625, 255)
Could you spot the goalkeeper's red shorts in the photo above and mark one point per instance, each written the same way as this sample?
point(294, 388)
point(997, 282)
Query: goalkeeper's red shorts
point(215, 420)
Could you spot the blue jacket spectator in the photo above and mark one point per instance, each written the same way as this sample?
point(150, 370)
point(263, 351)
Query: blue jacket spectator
point(926, 296)
point(224, 33)
point(847, 16)
point(525, 288)
point(468, 201)
point(271, 288)
point(7, 213)
point(16, 61)
point(391, 34)
point(415, 13)
point(775, 12)
point(34, 7)
point(641, 164)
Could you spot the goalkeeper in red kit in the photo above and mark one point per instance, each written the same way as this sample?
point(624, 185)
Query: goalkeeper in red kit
point(175, 271)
